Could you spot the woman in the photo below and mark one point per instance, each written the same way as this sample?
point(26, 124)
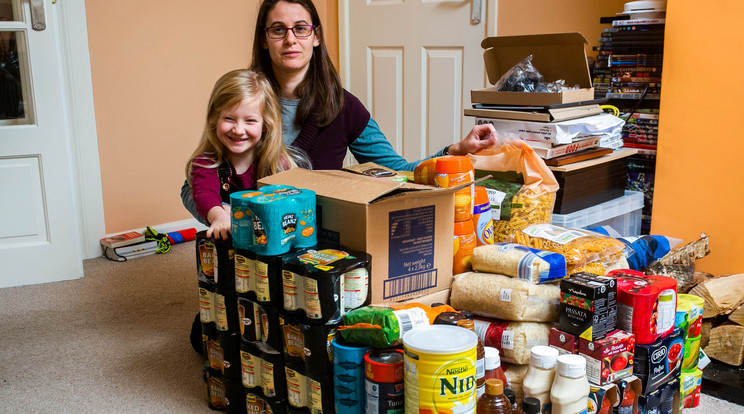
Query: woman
point(319, 117)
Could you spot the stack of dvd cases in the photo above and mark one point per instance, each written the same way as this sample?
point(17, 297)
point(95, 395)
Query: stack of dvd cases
point(627, 72)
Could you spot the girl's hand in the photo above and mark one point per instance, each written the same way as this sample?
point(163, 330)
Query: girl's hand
point(482, 136)
point(219, 219)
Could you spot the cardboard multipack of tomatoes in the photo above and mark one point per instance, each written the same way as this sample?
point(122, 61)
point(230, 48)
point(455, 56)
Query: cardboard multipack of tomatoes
point(659, 363)
point(608, 359)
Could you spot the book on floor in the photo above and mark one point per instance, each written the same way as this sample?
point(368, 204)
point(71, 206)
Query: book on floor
point(122, 239)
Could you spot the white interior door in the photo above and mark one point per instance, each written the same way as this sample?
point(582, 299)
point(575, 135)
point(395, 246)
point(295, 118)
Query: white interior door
point(39, 236)
point(413, 64)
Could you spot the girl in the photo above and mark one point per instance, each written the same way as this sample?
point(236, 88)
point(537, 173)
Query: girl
point(241, 142)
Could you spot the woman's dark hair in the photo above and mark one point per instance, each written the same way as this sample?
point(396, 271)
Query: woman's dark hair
point(321, 95)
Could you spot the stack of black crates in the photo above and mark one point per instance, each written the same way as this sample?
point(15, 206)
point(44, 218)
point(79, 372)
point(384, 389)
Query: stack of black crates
point(627, 72)
point(268, 322)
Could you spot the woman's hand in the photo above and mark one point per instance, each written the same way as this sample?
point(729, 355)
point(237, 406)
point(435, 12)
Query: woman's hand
point(481, 136)
point(219, 219)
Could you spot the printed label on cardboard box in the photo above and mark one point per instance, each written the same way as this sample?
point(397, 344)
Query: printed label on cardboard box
point(411, 252)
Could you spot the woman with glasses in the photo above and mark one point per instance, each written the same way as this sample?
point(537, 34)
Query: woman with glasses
point(319, 117)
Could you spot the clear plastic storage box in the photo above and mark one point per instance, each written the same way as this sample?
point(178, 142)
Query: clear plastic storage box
point(623, 214)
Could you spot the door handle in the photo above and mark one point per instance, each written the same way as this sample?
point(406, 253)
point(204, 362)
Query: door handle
point(475, 17)
point(38, 20)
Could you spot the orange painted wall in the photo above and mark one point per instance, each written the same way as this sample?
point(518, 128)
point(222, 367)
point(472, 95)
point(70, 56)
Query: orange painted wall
point(699, 178)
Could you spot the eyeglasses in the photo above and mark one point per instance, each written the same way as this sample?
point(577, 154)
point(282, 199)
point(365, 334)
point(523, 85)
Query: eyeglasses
point(301, 31)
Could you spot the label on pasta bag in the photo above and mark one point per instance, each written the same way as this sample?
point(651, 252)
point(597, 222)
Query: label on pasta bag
point(557, 234)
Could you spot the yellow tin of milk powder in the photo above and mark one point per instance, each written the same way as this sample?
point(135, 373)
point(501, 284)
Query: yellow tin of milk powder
point(440, 370)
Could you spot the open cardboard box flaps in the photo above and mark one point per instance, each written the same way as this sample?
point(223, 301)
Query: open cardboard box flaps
point(407, 228)
point(556, 56)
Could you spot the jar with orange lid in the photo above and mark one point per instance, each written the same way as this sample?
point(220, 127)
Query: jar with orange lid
point(464, 243)
point(424, 172)
point(482, 220)
point(451, 172)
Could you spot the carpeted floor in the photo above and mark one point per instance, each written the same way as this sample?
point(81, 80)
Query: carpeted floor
point(116, 341)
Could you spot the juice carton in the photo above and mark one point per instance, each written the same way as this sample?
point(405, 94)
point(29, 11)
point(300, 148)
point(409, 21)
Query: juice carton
point(608, 359)
point(646, 304)
point(588, 305)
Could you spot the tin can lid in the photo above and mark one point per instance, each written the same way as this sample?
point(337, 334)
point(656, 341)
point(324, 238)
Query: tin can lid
point(440, 339)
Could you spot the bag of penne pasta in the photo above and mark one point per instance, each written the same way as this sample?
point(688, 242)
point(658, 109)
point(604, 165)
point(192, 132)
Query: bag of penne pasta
point(522, 189)
point(581, 248)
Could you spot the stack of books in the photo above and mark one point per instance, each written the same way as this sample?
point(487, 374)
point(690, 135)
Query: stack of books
point(124, 246)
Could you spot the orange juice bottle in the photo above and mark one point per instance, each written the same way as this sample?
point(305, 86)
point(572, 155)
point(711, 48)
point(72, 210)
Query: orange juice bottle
point(464, 243)
point(482, 217)
point(451, 172)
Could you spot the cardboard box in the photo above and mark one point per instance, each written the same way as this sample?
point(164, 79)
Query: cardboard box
point(432, 298)
point(588, 306)
point(546, 115)
point(608, 359)
point(564, 342)
point(629, 383)
point(556, 56)
point(597, 395)
point(406, 227)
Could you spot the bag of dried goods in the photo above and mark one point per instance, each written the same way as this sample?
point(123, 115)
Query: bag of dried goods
point(578, 246)
point(383, 326)
point(509, 259)
point(515, 377)
point(522, 189)
point(504, 297)
point(513, 339)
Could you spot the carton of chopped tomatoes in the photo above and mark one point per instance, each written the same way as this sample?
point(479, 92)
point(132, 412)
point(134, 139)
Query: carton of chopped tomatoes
point(608, 359)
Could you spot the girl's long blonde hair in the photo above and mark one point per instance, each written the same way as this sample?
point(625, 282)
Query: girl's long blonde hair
point(270, 152)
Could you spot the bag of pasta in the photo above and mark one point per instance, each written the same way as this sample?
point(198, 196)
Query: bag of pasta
point(522, 189)
point(580, 247)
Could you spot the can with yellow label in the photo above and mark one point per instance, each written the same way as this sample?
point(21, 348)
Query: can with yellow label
point(440, 370)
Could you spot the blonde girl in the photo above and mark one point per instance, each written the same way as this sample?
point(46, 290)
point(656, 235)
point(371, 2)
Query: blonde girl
point(241, 142)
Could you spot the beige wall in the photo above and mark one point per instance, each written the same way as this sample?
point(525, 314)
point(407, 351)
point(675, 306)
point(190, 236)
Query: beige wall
point(154, 63)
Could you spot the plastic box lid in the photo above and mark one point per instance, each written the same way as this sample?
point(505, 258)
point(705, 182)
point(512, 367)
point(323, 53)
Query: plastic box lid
point(628, 203)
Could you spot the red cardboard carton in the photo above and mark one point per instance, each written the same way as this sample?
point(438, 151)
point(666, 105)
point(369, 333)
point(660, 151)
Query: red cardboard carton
point(608, 359)
point(564, 342)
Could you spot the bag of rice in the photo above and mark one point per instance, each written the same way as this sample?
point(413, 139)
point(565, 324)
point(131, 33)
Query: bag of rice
point(503, 297)
point(515, 377)
point(509, 259)
point(514, 340)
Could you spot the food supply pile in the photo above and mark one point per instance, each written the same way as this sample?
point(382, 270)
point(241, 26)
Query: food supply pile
point(558, 316)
